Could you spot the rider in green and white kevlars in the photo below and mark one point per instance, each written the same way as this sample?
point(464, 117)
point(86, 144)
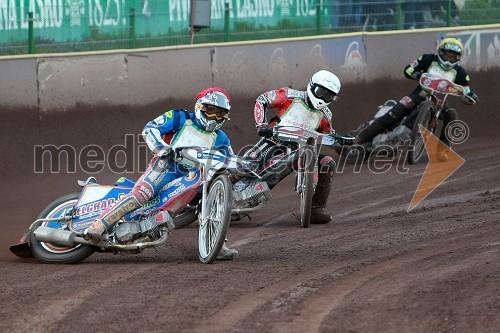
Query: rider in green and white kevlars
point(174, 128)
point(445, 64)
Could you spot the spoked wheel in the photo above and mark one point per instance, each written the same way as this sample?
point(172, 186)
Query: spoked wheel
point(305, 184)
point(418, 139)
point(214, 225)
point(54, 253)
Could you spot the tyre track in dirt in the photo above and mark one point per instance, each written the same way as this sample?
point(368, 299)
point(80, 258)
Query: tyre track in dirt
point(329, 287)
point(401, 271)
point(56, 300)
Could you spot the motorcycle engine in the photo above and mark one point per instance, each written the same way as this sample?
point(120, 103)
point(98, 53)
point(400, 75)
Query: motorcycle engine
point(251, 193)
point(151, 228)
point(395, 138)
point(127, 231)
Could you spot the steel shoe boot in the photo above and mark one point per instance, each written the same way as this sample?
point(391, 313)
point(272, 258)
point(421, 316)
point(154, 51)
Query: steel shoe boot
point(319, 217)
point(442, 153)
point(226, 253)
point(95, 231)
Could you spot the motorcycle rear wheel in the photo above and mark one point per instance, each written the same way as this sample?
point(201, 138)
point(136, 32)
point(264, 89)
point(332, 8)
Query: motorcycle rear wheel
point(213, 226)
point(306, 185)
point(54, 253)
point(418, 139)
point(185, 218)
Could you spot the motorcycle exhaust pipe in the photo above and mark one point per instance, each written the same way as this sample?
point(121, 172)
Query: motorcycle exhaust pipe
point(60, 237)
point(70, 238)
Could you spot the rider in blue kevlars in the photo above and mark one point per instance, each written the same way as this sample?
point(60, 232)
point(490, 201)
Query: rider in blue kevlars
point(174, 128)
point(445, 64)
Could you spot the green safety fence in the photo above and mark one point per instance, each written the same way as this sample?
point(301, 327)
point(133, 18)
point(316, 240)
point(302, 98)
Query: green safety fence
point(57, 26)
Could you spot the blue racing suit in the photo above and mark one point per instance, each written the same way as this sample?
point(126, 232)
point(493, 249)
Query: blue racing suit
point(173, 129)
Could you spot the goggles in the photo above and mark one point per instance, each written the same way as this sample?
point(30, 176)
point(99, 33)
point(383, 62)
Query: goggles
point(323, 93)
point(450, 56)
point(212, 112)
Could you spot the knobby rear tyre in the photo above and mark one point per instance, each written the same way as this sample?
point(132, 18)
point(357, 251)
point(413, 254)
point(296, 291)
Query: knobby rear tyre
point(54, 253)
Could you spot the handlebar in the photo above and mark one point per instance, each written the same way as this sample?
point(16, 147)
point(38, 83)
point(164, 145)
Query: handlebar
point(299, 134)
point(197, 157)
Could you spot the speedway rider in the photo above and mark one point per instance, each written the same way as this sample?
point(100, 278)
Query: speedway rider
point(174, 128)
point(306, 109)
point(444, 64)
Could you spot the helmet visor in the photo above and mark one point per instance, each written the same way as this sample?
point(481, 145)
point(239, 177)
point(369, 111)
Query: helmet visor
point(323, 93)
point(452, 47)
point(213, 112)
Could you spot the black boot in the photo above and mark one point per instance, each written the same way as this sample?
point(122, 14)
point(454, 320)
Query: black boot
point(319, 217)
point(398, 112)
point(320, 198)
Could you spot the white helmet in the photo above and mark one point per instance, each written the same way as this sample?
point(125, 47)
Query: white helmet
point(323, 89)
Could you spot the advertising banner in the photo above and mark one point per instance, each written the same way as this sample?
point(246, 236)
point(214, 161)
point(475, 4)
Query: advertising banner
point(79, 20)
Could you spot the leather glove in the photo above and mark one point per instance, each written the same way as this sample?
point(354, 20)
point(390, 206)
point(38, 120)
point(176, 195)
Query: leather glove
point(416, 75)
point(265, 131)
point(249, 166)
point(474, 97)
point(166, 152)
point(346, 140)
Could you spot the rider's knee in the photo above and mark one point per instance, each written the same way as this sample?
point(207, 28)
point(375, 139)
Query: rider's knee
point(399, 111)
point(142, 192)
point(450, 114)
point(327, 165)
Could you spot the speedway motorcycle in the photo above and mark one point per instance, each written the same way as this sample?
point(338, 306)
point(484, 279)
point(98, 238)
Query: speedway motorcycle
point(57, 235)
point(406, 135)
point(272, 159)
point(438, 89)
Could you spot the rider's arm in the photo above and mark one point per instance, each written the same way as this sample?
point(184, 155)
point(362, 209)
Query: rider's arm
point(223, 144)
point(153, 132)
point(270, 99)
point(464, 80)
point(260, 109)
point(325, 126)
point(266, 101)
point(418, 66)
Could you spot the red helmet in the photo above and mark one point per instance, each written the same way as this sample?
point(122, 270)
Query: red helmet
point(212, 108)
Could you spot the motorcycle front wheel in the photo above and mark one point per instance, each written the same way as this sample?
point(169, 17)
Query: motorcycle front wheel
point(305, 184)
point(418, 139)
point(54, 253)
point(214, 224)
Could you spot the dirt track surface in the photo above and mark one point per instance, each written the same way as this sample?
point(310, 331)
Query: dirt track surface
point(375, 268)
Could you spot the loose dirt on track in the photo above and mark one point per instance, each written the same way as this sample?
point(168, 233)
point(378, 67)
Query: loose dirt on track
point(374, 268)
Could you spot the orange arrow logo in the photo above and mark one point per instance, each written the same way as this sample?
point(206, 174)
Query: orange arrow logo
point(436, 171)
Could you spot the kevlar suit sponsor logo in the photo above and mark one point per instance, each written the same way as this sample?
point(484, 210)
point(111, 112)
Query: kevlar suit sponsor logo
point(96, 206)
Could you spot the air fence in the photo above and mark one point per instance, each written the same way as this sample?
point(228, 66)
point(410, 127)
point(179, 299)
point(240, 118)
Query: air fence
point(59, 82)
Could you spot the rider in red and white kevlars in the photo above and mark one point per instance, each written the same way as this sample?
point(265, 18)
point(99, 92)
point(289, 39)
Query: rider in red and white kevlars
point(172, 129)
point(444, 64)
point(306, 109)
